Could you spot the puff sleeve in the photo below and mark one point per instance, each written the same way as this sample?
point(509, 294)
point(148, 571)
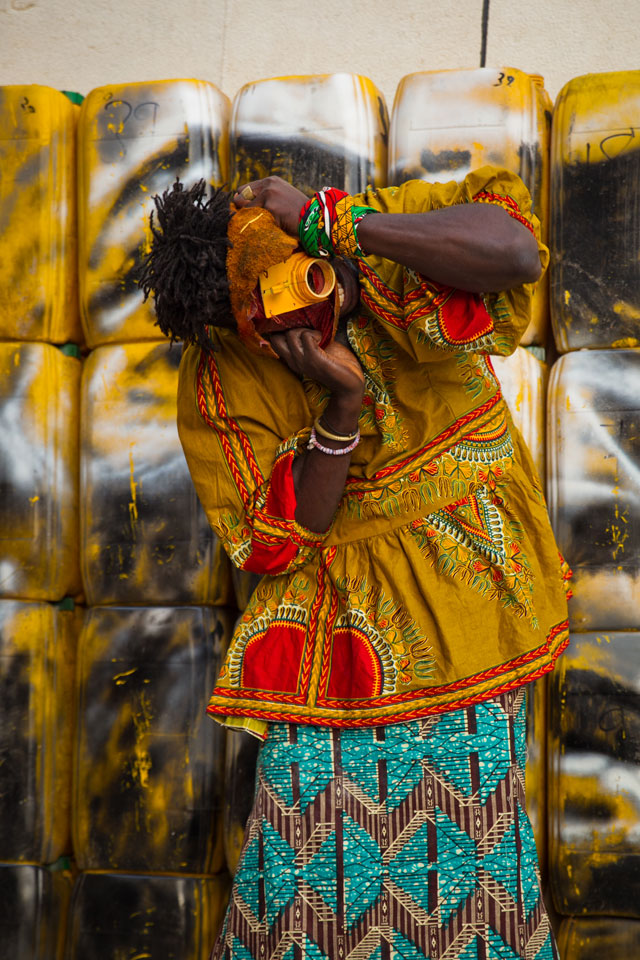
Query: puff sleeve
point(241, 466)
point(440, 318)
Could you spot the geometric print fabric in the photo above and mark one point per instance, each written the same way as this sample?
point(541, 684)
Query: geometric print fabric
point(403, 841)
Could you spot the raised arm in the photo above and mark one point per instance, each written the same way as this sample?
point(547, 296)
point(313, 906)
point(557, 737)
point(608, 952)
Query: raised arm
point(318, 477)
point(474, 247)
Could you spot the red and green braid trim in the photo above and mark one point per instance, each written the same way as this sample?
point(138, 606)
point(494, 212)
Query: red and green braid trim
point(328, 225)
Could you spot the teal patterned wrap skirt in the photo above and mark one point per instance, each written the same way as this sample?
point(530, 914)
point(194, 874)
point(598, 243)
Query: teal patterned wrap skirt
point(403, 841)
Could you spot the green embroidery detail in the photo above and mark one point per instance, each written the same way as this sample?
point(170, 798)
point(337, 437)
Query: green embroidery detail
point(482, 459)
point(474, 541)
point(475, 374)
point(475, 522)
point(376, 356)
point(235, 536)
point(402, 649)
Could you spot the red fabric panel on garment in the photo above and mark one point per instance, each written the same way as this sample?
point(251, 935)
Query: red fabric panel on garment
point(272, 660)
point(463, 318)
point(356, 671)
point(275, 556)
point(271, 558)
point(281, 495)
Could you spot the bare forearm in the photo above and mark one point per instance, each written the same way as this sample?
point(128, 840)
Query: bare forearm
point(319, 478)
point(475, 247)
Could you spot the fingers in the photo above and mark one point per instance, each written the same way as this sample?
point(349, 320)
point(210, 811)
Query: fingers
point(277, 196)
point(248, 194)
point(298, 348)
point(255, 193)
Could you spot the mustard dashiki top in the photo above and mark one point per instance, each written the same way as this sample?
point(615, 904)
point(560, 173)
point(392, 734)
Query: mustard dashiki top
point(439, 583)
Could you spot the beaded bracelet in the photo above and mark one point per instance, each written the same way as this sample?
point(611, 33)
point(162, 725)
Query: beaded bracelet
point(341, 438)
point(313, 443)
point(328, 224)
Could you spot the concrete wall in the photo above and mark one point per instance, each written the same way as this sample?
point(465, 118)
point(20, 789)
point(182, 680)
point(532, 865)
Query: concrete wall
point(81, 44)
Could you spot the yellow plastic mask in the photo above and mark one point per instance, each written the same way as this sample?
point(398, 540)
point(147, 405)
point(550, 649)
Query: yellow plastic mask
point(295, 283)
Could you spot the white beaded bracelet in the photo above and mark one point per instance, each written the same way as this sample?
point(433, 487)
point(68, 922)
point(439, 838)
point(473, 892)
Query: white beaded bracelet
point(313, 442)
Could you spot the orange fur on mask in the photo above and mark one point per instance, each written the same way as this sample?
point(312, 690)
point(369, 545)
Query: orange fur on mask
point(257, 243)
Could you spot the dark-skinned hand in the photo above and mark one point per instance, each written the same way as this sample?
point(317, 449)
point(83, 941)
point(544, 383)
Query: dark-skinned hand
point(277, 196)
point(335, 367)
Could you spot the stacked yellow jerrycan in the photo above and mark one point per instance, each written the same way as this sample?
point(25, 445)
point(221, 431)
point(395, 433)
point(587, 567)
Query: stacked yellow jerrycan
point(594, 461)
point(134, 140)
point(33, 911)
point(328, 129)
point(39, 565)
point(143, 917)
point(523, 378)
point(148, 763)
point(597, 937)
point(594, 465)
point(595, 293)
point(145, 538)
point(447, 122)
point(38, 292)
point(39, 452)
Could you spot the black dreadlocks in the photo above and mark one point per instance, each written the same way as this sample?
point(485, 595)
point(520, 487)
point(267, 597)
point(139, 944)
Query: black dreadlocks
point(186, 265)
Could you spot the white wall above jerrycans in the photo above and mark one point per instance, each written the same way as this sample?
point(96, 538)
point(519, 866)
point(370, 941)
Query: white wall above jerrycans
point(133, 141)
point(446, 123)
point(314, 131)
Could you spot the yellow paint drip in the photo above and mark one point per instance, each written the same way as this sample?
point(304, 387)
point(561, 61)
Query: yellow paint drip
point(628, 342)
point(133, 506)
point(121, 678)
point(142, 720)
point(629, 311)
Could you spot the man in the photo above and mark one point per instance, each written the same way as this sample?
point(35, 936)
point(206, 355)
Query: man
point(411, 581)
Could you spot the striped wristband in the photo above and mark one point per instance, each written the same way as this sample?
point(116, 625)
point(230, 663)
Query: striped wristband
point(328, 225)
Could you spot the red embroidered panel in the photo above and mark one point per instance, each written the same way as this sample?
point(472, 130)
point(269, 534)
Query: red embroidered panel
point(356, 671)
point(272, 659)
point(464, 318)
point(281, 495)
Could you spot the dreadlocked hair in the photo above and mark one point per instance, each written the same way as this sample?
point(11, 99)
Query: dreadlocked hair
point(185, 268)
